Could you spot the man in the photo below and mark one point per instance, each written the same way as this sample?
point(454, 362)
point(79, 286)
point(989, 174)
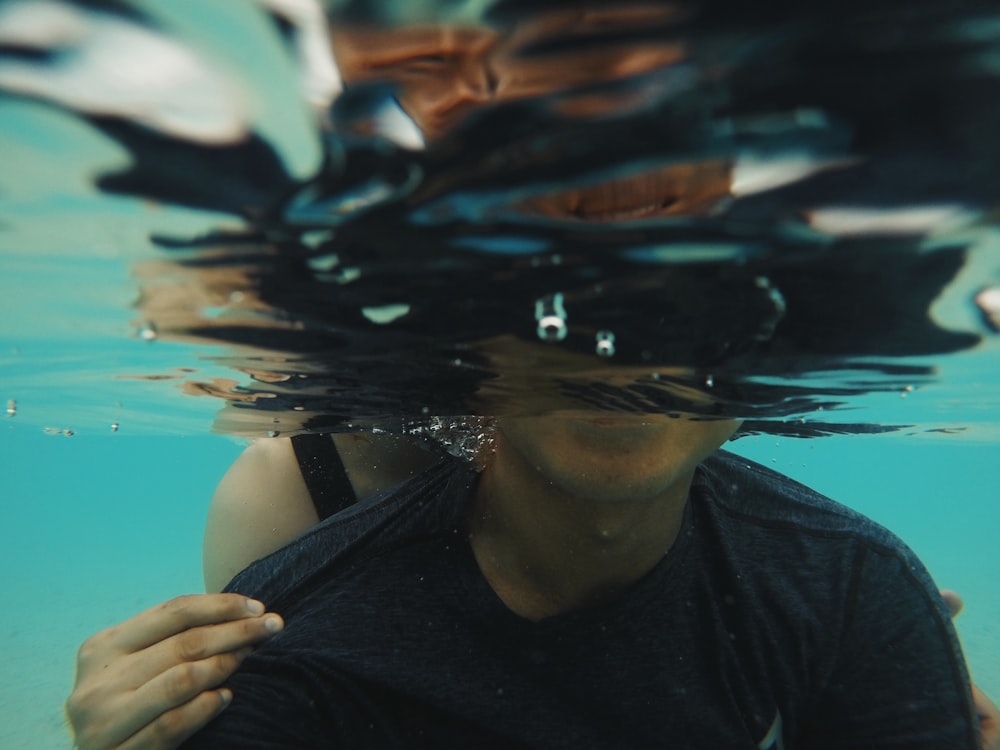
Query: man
point(600, 583)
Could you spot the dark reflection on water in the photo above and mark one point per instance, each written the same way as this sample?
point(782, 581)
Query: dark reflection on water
point(718, 208)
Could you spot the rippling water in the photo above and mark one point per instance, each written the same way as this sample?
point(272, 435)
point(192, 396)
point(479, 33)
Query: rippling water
point(785, 215)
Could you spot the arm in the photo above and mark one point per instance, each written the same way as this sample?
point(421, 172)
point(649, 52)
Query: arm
point(989, 714)
point(260, 505)
point(989, 720)
point(155, 679)
point(262, 502)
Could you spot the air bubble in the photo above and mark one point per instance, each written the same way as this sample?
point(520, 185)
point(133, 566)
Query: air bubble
point(710, 381)
point(114, 427)
point(147, 331)
point(551, 316)
point(605, 344)
point(11, 407)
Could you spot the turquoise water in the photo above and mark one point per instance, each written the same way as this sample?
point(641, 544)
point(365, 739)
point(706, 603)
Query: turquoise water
point(94, 529)
point(107, 468)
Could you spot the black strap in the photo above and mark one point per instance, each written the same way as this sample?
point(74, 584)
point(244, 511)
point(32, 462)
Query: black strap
point(324, 474)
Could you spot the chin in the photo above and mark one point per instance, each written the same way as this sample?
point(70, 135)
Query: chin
point(606, 456)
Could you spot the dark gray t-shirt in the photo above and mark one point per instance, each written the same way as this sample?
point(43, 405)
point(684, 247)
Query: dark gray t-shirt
point(778, 620)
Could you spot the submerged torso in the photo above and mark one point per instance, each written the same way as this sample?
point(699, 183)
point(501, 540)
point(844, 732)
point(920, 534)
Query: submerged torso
point(775, 614)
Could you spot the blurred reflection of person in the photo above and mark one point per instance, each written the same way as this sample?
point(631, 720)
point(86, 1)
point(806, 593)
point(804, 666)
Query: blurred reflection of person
point(604, 580)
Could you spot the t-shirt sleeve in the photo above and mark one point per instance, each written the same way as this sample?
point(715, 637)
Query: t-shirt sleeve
point(291, 700)
point(273, 707)
point(900, 679)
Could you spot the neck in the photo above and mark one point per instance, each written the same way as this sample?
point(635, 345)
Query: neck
point(547, 551)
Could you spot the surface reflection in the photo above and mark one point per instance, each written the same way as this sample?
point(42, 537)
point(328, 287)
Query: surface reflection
point(719, 238)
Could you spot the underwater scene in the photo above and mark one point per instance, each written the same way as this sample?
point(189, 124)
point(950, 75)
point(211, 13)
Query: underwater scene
point(511, 236)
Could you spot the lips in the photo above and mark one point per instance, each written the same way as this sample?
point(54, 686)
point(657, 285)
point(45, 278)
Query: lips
point(676, 190)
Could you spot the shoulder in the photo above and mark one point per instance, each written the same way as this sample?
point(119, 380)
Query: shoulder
point(263, 503)
point(756, 495)
point(259, 505)
point(778, 527)
point(360, 540)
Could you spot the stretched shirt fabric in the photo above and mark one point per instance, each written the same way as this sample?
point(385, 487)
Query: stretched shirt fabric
point(778, 620)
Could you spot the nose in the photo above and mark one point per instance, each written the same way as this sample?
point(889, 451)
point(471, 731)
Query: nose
point(470, 84)
point(475, 81)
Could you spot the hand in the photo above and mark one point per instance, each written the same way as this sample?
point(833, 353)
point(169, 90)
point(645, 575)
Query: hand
point(989, 720)
point(989, 714)
point(153, 681)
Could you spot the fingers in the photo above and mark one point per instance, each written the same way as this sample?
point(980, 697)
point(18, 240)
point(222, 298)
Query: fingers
point(195, 660)
point(179, 614)
point(953, 601)
point(167, 701)
point(185, 639)
point(170, 729)
point(197, 644)
point(155, 676)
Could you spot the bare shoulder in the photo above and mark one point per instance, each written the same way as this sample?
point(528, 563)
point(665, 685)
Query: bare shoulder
point(262, 502)
point(260, 505)
point(375, 462)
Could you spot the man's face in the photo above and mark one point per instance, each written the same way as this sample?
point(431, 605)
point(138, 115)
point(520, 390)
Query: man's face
point(443, 72)
point(601, 455)
point(613, 458)
point(442, 75)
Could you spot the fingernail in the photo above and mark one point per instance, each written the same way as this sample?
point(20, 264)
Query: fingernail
point(255, 607)
point(273, 623)
point(225, 697)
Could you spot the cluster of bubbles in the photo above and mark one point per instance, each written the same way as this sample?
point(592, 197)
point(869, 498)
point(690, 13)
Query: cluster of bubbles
point(467, 437)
